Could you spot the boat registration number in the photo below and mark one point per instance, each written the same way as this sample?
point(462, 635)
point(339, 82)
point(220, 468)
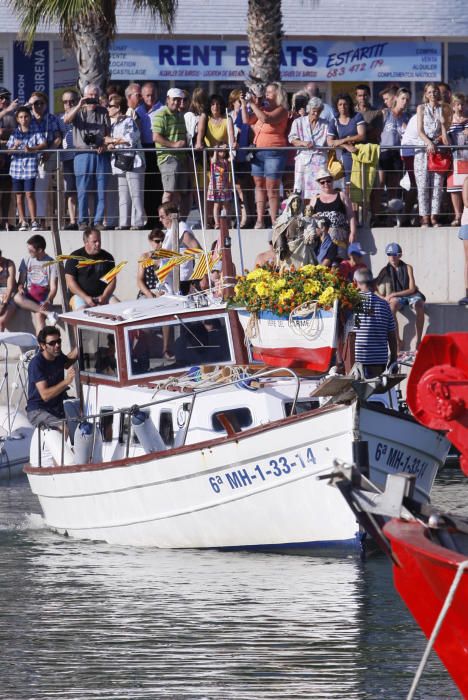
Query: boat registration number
point(268, 471)
point(399, 460)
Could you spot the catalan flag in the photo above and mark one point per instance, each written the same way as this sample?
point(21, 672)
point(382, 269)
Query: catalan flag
point(201, 268)
point(109, 276)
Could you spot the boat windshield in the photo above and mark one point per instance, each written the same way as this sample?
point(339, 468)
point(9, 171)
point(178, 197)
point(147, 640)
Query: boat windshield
point(97, 352)
point(178, 344)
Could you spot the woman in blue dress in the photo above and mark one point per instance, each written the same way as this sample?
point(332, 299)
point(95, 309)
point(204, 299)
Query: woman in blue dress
point(345, 130)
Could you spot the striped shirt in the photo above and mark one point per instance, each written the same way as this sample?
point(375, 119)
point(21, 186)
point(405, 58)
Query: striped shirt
point(171, 125)
point(373, 323)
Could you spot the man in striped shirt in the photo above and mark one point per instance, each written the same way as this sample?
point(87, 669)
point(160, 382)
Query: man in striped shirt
point(374, 327)
point(170, 137)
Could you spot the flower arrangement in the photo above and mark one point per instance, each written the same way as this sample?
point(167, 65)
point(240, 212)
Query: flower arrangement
point(265, 289)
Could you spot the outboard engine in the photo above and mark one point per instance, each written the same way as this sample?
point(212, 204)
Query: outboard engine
point(146, 432)
point(88, 443)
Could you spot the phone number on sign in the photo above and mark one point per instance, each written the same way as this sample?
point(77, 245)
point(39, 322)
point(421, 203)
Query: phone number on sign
point(274, 469)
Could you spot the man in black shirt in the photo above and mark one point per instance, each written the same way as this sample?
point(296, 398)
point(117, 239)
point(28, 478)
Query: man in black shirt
point(84, 283)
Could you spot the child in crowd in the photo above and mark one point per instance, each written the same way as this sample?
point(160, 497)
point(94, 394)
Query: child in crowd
point(219, 188)
point(24, 144)
point(37, 284)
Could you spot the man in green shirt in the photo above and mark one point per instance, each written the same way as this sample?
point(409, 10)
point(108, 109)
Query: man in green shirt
point(170, 137)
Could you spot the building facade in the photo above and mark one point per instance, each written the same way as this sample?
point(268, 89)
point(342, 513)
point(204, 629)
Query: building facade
point(335, 44)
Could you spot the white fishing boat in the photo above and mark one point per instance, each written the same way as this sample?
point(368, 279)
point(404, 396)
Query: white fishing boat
point(205, 450)
point(15, 429)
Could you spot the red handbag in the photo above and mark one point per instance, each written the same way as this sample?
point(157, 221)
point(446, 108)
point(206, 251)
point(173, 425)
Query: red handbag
point(439, 162)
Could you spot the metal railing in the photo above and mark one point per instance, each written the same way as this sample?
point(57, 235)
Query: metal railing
point(126, 413)
point(53, 196)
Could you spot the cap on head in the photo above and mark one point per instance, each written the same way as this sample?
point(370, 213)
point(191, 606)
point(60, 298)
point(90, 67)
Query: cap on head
point(176, 93)
point(393, 249)
point(355, 249)
point(322, 174)
point(4, 92)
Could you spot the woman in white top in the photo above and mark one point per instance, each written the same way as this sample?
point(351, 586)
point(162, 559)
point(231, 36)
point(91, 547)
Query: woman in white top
point(124, 137)
point(433, 119)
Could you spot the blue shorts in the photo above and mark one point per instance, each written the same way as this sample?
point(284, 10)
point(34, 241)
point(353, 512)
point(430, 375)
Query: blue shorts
point(463, 232)
point(28, 185)
point(269, 164)
point(411, 300)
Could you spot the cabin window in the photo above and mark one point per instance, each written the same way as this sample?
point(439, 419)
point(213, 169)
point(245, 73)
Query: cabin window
point(301, 406)
point(238, 417)
point(178, 344)
point(166, 428)
point(97, 352)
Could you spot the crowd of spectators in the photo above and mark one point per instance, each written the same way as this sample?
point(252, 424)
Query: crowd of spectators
point(122, 153)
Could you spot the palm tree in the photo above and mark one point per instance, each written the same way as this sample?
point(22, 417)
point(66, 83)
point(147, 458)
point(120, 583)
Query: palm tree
point(264, 30)
point(88, 26)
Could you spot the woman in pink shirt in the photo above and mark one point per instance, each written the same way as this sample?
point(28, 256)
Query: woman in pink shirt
point(269, 118)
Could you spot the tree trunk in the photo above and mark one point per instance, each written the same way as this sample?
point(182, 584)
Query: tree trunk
point(91, 43)
point(264, 30)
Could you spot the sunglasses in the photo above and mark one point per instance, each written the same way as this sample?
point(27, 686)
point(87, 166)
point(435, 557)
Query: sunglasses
point(394, 255)
point(326, 179)
point(54, 342)
point(113, 106)
point(157, 240)
point(4, 97)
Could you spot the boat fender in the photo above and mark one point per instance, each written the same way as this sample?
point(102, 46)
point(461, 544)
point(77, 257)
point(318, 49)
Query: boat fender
point(72, 410)
point(146, 432)
point(51, 449)
point(88, 444)
point(179, 437)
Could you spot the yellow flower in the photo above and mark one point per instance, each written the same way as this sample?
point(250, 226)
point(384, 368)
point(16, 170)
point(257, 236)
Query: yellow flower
point(311, 288)
point(262, 289)
point(327, 297)
point(258, 274)
point(284, 296)
point(279, 284)
point(308, 269)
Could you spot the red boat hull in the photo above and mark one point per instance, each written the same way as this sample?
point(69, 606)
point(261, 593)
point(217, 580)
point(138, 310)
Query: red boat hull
point(318, 359)
point(423, 579)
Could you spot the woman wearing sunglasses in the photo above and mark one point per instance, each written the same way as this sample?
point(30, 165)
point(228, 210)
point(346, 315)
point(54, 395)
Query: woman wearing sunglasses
point(335, 206)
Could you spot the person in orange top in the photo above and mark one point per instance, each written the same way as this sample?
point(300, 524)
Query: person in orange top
point(269, 117)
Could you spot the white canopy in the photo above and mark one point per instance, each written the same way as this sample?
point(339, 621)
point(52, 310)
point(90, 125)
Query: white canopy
point(22, 340)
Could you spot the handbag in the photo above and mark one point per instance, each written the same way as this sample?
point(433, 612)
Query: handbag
point(124, 161)
point(439, 162)
point(335, 166)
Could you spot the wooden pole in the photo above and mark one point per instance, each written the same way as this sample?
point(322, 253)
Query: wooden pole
point(229, 272)
point(175, 248)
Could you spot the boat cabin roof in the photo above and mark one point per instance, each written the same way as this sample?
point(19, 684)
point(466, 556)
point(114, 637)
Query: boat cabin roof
point(139, 310)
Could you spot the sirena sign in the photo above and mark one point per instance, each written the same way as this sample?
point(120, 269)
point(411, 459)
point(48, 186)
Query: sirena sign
point(195, 60)
point(31, 72)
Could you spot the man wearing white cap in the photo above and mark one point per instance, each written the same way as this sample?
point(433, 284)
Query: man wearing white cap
point(170, 136)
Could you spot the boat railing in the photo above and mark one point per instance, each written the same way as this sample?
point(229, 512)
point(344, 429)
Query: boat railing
point(127, 412)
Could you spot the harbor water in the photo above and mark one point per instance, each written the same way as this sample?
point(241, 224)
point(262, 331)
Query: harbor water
point(91, 621)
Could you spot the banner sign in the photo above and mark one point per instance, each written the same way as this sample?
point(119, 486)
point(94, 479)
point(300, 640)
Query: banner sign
point(195, 60)
point(30, 72)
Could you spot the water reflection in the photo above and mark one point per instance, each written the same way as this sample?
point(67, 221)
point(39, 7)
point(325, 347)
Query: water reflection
point(87, 620)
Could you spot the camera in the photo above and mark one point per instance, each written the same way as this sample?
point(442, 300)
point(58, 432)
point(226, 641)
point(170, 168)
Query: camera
point(89, 139)
point(91, 101)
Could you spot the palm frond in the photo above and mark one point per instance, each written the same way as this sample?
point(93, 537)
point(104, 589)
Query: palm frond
point(160, 10)
point(65, 13)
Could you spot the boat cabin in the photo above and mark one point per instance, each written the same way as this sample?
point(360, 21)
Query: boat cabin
point(126, 344)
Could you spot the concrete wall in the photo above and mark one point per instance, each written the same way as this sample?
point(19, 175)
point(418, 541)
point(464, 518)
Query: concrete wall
point(436, 254)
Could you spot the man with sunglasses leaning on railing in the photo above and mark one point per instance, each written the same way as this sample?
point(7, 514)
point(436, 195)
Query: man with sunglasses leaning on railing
point(47, 381)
